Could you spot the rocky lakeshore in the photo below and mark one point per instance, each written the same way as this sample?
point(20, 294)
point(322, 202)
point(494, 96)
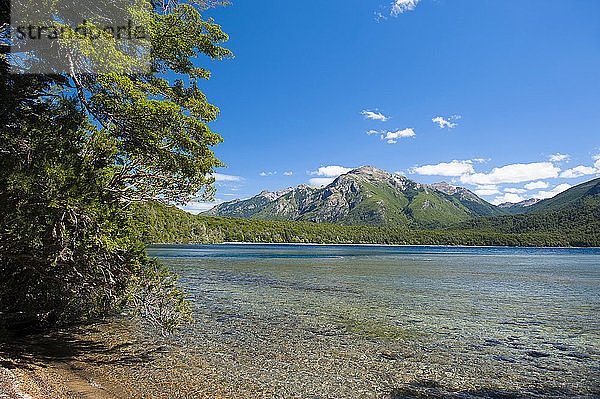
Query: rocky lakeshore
point(101, 361)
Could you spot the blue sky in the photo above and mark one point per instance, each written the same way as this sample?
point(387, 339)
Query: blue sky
point(501, 97)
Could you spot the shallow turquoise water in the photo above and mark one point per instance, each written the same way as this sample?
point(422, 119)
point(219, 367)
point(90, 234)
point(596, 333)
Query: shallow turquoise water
point(358, 321)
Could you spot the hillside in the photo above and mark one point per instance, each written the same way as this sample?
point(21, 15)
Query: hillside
point(159, 224)
point(365, 196)
point(250, 207)
point(573, 213)
point(569, 198)
point(572, 218)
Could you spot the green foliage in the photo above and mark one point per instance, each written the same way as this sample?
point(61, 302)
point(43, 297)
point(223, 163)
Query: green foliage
point(58, 228)
point(66, 247)
point(154, 295)
point(76, 150)
point(162, 138)
point(567, 199)
point(578, 222)
point(159, 224)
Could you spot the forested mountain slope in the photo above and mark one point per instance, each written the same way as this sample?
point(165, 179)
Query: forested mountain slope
point(570, 198)
point(580, 217)
point(159, 224)
point(365, 196)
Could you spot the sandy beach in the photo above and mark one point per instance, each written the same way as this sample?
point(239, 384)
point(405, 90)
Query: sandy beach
point(53, 381)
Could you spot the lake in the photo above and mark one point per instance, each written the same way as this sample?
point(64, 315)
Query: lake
point(372, 321)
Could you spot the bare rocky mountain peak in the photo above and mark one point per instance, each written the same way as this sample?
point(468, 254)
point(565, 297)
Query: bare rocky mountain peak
point(368, 170)
point(283, 192)
point(370, 173)
point(268, 195)
point(524, 204)
point(271, 196)
point(445, 188)
point(450, 189)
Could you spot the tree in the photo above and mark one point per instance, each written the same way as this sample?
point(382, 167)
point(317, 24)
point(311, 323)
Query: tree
point(76, 149)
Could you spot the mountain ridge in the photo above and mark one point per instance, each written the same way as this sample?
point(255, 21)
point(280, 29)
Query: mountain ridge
point(568, 198)
point(364, 196)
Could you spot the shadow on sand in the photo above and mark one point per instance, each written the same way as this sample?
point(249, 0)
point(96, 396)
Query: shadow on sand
point(90, 344)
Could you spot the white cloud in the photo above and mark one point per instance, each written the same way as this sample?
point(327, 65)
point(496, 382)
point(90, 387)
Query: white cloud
point(510, 197)
point(320, 181)
point(378, 116)
point(559, 157)
point(579, 171)
point(401, 6)
point(197, 207)
point(288, 173)
point(515, 173)
point(597, 159)
point(484, 191)
point(392, 137)
point(222, 177)
point(536, 185)
point(488, 187)
point(454, 168)
point(267, 173)
point(443, 122)
point(556, 190)
point(515, 190)
point(330, 171)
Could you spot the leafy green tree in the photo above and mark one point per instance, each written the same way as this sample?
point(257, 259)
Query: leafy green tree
point(76, 149)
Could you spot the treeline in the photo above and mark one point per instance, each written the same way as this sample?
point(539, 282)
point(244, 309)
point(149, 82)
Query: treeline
point(159, 224)
point(580, 222)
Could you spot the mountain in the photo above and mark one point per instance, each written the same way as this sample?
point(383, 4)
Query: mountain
point(519, 207)
point(573, 214)
point(365, 196)
point(572, 218)
point(249, 207)
point(522, 204)
point(569, 198)
point(576, 225)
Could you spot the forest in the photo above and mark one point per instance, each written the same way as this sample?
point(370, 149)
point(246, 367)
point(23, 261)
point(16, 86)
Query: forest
point(578, 227)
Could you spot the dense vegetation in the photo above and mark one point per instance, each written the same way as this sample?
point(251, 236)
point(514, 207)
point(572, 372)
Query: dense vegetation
point(77, 149)
point(578, 221)
point(571, 218)
point(169, 225)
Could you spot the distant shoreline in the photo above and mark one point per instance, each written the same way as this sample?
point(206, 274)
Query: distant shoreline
point(366, 245)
